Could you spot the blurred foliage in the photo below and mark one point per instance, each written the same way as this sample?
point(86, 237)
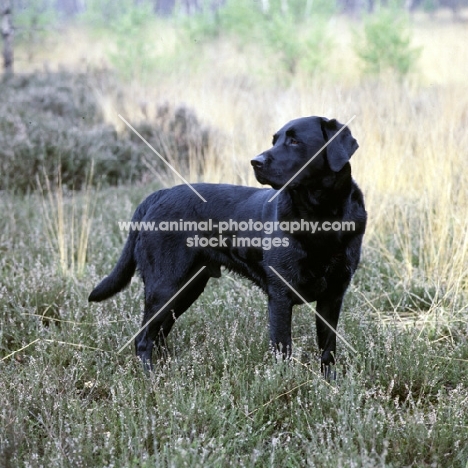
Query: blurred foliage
point(293, 31)
point(385, 43)
point(128, 23)
point(134, 54)
point(105, 13)
point(51, 122)
point(33, 21)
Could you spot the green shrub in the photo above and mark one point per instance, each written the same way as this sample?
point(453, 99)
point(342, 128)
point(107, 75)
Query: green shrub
point(298, 46)
point(134, 55)
point(385, 44)
point(127, 29)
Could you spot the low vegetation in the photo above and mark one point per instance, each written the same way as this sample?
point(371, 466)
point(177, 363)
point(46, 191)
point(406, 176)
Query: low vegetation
point(68, 398)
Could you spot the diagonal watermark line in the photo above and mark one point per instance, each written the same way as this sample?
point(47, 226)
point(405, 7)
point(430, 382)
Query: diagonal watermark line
point(312, 158)
point(311, 308)
point(161, 309)
point(18, 350)
point(78, 345)
point(160, 157)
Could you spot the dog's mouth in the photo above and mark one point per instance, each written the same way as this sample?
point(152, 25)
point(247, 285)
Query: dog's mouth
point(262, 178)
point(265, 181)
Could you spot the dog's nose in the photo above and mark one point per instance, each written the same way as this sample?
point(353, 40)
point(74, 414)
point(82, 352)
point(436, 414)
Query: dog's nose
point(258, 161)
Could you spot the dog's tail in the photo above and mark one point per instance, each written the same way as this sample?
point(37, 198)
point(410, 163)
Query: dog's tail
point(123, 272)
point(120, 276)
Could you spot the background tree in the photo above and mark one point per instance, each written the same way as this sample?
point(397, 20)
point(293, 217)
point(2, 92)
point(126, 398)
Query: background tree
point(7, 35)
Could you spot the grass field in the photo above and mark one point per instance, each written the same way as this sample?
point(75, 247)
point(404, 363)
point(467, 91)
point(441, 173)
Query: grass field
point(68, 398)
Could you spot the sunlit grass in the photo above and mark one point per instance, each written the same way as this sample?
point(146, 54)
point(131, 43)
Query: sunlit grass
point(67, 223)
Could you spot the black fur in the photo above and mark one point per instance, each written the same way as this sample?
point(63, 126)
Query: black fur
point(319, 266)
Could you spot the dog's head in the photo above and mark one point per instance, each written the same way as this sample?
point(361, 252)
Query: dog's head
point(303, 150)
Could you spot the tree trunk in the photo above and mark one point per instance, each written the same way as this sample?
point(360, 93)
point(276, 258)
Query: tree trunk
point(7, 35)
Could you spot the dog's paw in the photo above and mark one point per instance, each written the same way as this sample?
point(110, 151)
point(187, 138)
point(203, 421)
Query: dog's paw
point(329, 372)
point(146, 365)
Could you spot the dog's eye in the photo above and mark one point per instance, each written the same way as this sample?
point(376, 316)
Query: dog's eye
point(293, 141)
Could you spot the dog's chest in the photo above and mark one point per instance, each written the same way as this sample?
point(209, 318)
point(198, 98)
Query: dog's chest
point(314, 267)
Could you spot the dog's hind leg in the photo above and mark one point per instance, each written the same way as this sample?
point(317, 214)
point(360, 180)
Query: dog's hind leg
point(155, 333)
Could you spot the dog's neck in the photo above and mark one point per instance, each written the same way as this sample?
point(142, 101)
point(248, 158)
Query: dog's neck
point(322, 199)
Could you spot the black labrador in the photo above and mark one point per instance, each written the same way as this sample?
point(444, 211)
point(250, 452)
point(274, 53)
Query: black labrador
point(265, 235)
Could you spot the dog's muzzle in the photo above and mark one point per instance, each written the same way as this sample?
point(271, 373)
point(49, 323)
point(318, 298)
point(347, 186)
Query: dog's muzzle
point(258, 161)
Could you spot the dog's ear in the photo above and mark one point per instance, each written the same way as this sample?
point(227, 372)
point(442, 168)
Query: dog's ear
point(342, 147)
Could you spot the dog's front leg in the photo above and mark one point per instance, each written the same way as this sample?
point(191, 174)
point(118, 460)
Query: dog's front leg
point(329, 309)
point(280, 313)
